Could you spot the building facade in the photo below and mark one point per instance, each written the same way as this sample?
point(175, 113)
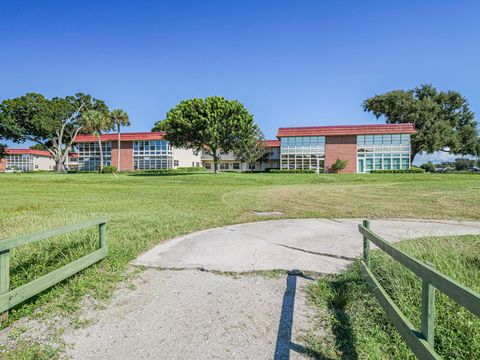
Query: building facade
point(26, 160)
point(229, 162)
point(364, 147)
point(138, 151)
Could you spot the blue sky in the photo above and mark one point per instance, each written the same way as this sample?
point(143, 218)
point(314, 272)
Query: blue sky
point(292, 63)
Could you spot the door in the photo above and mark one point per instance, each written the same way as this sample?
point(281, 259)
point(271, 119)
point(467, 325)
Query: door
point(361, 166)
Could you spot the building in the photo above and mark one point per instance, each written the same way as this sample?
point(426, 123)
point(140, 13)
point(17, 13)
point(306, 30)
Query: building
point(365, 147)
point(27, 160)
point(229, 162)
point(138, 151)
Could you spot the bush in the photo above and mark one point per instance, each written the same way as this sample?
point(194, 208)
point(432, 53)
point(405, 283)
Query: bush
point(297, 171)
point(339, 165)
point(109, 169)
point(428, 167)
point(191, 169)
point(412, 170)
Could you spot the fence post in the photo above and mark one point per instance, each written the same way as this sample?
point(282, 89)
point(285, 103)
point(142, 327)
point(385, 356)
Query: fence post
point(366, 245)
point(428, 310)
point(102, 234)
point(4, 278)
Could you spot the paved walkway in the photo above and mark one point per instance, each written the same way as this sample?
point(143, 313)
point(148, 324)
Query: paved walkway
point(192, 314)
point(319, 245)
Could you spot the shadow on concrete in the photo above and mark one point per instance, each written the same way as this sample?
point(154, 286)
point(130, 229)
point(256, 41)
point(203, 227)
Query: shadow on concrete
point(342, 331)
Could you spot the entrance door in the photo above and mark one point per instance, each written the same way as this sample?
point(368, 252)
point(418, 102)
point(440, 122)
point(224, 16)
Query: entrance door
point(361, 166)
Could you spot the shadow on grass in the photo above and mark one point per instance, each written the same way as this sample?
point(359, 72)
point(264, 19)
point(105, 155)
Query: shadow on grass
point(342, 327)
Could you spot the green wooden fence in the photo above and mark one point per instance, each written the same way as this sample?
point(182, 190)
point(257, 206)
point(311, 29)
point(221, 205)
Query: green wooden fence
point(420, 341)
point(10, 298)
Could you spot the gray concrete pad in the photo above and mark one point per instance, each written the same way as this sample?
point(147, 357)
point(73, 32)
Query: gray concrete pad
point(199, 315)
point(319, 245)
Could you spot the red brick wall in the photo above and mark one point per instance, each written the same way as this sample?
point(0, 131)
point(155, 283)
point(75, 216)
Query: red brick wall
point(343, 148)
point(126, 155)
point(3, 164)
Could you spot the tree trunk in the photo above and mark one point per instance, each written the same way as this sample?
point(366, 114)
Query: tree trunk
point(100, 169)
point(118, 149)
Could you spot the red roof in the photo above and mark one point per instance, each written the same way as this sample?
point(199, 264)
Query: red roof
point(28, 151)
point(370, 129)
point(272, 143)
point(123, 137)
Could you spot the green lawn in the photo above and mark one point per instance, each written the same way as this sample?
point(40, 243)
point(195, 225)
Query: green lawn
point(356, 326)
point(144, 210)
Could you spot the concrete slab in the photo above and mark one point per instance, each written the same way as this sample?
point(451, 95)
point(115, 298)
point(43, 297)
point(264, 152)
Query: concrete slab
point(320, 245)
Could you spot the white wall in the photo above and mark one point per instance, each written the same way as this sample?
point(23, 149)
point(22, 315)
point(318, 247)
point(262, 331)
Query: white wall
point(43, 163)
point(185, 158)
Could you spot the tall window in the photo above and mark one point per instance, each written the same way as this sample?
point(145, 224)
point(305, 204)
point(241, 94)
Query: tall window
point(383, 152)
point(89, 155)
point(303, 152)
point(152, 155)
point(22, 162)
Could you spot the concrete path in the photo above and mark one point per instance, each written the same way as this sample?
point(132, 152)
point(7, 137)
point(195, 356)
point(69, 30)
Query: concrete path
point(198, 315)
point(319, 245)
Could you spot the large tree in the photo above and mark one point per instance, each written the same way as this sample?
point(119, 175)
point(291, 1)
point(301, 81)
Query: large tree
point(119, 118)
point(96, 122)
point(252, 149)
point(443, 119)
point(50, 122)
point(213, 124)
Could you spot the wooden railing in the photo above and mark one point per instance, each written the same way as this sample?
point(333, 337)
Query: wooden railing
point(421, 342)
point(10, 298)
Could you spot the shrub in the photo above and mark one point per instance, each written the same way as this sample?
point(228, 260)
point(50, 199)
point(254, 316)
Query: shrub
point(428, 167)
point(109, 169)
point(191, 169)
point(297, 171)
point(339, 165)
point(412, 170)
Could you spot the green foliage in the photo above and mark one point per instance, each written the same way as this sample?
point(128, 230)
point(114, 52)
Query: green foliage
point(39, 147)
point(252, 149)
point(339, 165)
point(211, 124)
point(428, 167)
point(119, 118)
point(296, 171)
point(110, 169)
point(49, 122)
point(190, 169)
point(359, 326)
point(412, 170)
point(443, 119)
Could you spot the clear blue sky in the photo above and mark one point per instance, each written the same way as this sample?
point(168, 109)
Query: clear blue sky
point(292, 63)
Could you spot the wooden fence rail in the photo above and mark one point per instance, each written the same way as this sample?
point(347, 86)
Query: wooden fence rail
point(421, 342)
point(10, 298)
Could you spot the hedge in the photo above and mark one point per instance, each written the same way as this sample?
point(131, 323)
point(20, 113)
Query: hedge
point(409, 171)
point(297, 171)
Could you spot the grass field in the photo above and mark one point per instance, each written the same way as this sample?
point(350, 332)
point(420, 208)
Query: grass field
point(357, 327)
point(146, 209)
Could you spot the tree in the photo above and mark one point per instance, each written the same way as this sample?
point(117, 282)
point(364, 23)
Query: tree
point(208, 125)
point(96, 122)
point(119, 118)
point(39, 147)
point(50, 122)
point(443, 119)
point(252, 149)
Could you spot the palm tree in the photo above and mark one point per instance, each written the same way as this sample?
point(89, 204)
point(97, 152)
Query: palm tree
point(119, 118)
point(95, 122)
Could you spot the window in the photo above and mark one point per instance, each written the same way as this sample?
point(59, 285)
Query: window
point(152, 155)
point(22, 162)
point(207, 165)
point(197, 164)
point(89, 155)
point(36, 167)
point(387, 151)
point(224, 166)
point(236, 166)
point(175, 162)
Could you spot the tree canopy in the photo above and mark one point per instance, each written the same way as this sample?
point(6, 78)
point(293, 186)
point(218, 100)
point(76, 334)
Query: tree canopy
point(253, 148)
point(443, 119)
point(211, 124)
point(50, 122)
